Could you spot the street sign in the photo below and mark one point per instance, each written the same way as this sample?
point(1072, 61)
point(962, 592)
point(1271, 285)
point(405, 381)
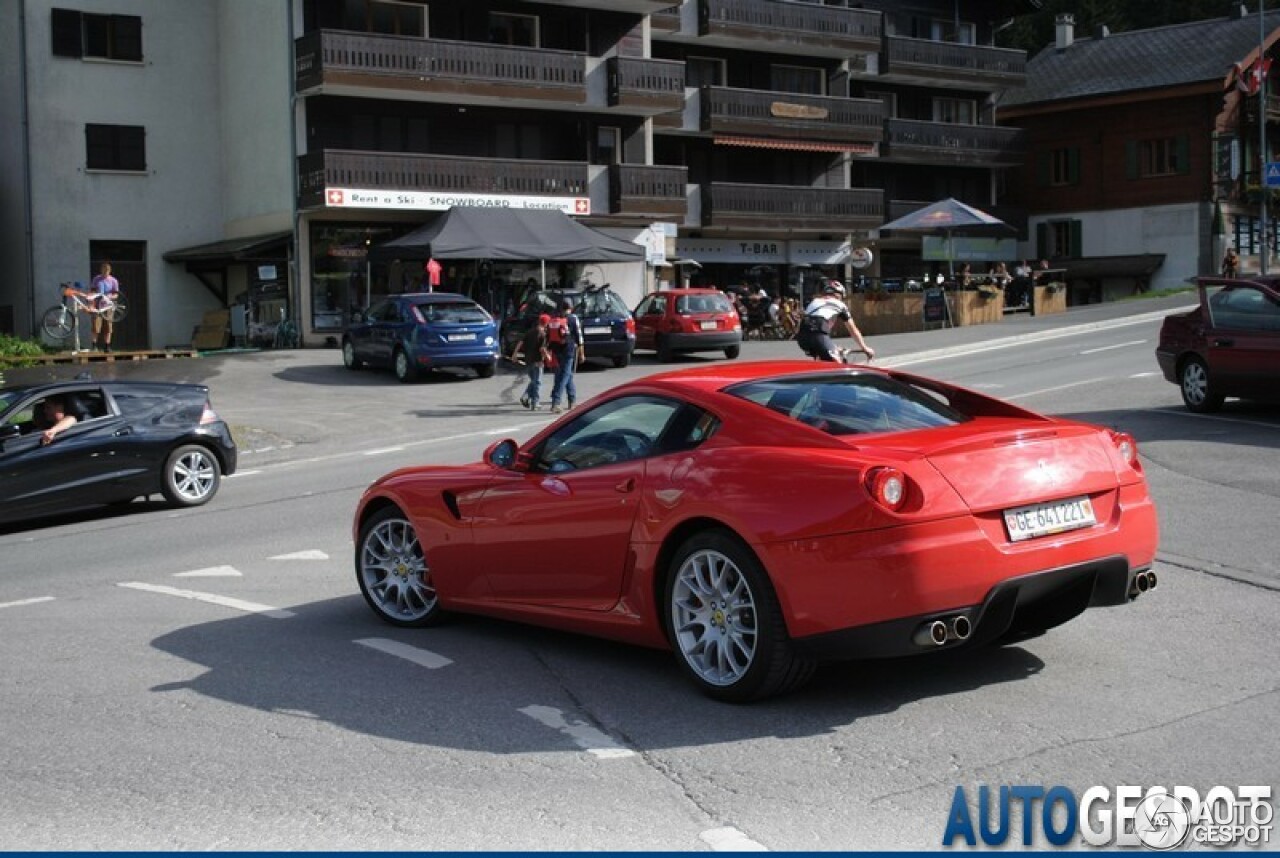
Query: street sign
point(1273, 174)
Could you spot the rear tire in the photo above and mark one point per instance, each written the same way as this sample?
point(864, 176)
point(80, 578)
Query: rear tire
point(58, 323)
point(732, 352)
point(665, 355)
point(486, 370)
point(725, 624)
point(404, 369)
point(191, 476)
point(620, 361)
point(1197, 394)
point(349, 359)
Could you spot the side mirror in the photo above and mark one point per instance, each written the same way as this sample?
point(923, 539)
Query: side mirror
point(10, 430)
point(501, 454)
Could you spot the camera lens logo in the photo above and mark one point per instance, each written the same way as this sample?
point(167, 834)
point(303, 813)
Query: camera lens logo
point(1161, 822)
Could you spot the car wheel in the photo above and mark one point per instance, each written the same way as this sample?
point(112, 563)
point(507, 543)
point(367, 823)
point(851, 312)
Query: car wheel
point(1197, 394)
point(732, 352)
point(619, 361)
point(665, 355)
point(486, 370)
point(349, 359)
point(404, 368)
point(392, 571)
point(191, 476)
point(725, 623)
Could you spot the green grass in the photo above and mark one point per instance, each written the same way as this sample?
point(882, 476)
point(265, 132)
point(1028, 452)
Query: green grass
point(1159, 293)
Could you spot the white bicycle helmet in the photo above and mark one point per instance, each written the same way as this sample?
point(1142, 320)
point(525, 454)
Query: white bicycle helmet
point(834, 287)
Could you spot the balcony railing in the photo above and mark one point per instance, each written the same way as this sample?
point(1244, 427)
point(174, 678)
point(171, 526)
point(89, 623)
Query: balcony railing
point(812, 27)
point(641, 7)
point(943, 142)
point(652, 85)
point(651, 191)
point(786, 114)
point(955, 64)
point(786, 207)
point(433, 65)
point(336, 168)
point(666, 20)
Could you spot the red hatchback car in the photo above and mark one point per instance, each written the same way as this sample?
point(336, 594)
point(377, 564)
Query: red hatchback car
point(1228, 346)
point(677, 321)
point(758, 518)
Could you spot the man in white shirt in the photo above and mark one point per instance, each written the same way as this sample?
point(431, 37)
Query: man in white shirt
point(815, 327)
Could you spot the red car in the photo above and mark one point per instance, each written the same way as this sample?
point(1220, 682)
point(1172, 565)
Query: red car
point(758, 518)
point(1228, 346)
point(678, 321)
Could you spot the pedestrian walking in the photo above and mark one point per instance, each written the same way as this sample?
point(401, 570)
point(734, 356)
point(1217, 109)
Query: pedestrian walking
point(533, 353)
point(564, 336)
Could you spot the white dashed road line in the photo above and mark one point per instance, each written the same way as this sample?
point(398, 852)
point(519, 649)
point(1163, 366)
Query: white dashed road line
point(383, 450)
point(1109, 348)
point(1056, 389)
point(730, 839)
point(18, 604)
point(420, 657)
point(211, 598)
point(211, 572)
point(585, 736)
point(309, 554)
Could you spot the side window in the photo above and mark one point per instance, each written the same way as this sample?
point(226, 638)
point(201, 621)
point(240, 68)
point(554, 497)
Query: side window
point(643, 307)
point(1245, 309)
point(623, 429)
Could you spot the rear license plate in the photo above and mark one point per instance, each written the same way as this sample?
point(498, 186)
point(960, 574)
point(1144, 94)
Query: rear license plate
point(1042, 519)
point(461, 338)
point(707, 326)
point(596, 330)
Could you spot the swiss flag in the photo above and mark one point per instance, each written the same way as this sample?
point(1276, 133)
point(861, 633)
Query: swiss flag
point(582, 206)
point(1249, 80)
point(335, 197)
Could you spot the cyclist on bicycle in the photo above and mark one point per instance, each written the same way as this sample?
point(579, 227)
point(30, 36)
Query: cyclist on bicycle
point(814, 335)
point(105, 290)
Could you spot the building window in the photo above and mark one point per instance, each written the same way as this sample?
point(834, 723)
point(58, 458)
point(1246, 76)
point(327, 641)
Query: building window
point(889, 99)
point(517, 30)
point(608, 148)
point(115, 147)
point(1059, 239)
point(1060, 167)
point(704, 71)
point(1163, 156)
point(396, 18)
point(956, 111)
point(800, 79)
point(105, 37)
point(963, 32)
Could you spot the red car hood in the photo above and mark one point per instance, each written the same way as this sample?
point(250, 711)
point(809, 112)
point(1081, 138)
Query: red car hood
point(998, 464)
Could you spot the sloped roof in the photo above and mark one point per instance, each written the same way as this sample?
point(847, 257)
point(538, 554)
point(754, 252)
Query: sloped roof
point(1177, 55)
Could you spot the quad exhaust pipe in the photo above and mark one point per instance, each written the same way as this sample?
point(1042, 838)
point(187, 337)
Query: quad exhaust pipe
point(1142, 582)
point(943, 630)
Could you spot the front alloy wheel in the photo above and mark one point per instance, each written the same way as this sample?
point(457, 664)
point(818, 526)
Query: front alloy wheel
point(725, 623)
point(392, 571)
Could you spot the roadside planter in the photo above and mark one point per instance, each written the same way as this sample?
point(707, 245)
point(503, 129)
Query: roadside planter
point(1050, 298)
point(888, 313)
point(977, 307)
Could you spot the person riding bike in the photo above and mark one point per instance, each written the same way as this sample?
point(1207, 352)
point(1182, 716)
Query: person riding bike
point(814, 335)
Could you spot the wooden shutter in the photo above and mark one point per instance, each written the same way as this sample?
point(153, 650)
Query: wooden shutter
point(1131, 159)
point(65, 27)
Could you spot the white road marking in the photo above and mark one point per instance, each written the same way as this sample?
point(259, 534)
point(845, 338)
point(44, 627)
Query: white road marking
point(583, 734)
point(1182, 412)
point(34, 601)
point(309, 554)
point(241, 473)
point(421, 657)
point(383, 450)
point(1143, 374)
point(212, 599)
point(1109, 348)
point(1055, 389)
point(730, 839)
point(211, 572)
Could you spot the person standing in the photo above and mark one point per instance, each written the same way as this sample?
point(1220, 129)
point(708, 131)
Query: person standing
point(565, 335)
point(532, 352)
point(105, 290)
point(1230, 263)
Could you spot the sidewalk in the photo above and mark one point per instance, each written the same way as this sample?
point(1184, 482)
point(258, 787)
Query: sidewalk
point(293, 403)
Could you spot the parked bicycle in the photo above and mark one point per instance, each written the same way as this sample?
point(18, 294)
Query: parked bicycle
point(60, 322)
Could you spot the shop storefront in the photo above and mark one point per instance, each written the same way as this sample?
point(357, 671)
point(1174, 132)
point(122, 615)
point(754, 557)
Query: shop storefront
point(779, 267)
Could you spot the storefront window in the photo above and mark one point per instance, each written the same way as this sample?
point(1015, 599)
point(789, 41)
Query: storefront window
point(338, 271)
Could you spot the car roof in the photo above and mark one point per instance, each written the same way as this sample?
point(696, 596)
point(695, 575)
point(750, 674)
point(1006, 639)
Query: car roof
point(715, 377)
point(690, 290)
point(78, 383)
point(433, 297)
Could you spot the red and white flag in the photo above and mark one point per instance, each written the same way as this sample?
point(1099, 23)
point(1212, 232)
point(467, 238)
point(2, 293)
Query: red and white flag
point(1249, 80)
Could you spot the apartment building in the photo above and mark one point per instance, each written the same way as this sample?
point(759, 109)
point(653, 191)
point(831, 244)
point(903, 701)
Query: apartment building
point(764, 139)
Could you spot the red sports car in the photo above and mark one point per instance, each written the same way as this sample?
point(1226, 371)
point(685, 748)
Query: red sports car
point(758, 518)
point(1228, 346)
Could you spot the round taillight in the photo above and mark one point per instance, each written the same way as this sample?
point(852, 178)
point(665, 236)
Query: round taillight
point(888, 487)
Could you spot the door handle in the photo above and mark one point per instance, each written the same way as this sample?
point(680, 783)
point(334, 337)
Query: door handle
point(1224, 342)
point(627, 485)
point(121, 432)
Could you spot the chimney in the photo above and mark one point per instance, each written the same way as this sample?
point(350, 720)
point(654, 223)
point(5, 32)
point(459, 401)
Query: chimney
point(1239, 12)
point(1101, 31)
point(1066, 28)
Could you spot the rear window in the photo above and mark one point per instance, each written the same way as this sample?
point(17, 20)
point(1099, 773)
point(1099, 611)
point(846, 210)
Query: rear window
point(460, 312)
point(850, 404)
point(602, 304)
point(703, 304)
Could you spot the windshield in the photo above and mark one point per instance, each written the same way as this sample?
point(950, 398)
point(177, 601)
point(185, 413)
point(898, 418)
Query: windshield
point(9, 397)
point(849, 404)
point(460, 312)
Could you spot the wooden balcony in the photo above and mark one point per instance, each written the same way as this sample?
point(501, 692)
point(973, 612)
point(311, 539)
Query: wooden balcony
point(640, 7)
point(393, 171)
point(665, 20)
point(646, 86)
point(434, 69)
point(910, 141)
point(801, 28)
point(648, 191)
point(759, 113)
point(950, 64)
point(783, 207)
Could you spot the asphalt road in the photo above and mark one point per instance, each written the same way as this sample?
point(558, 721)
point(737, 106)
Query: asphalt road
point(211, 679)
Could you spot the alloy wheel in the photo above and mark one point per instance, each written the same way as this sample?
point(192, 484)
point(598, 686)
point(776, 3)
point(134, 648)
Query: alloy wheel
point(393, 572)
point(713, 617)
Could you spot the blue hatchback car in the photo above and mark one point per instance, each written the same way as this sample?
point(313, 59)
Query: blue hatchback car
point(421, 331)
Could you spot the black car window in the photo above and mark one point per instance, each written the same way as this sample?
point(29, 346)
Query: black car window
point(703, 304)
point(1244, 309)
point(378, 311)
point(602, 303)
point(848, 404)
point(630, 427)
point(459, 312)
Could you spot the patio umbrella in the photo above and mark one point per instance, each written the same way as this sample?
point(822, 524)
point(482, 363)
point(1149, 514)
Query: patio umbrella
point(947, 217)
